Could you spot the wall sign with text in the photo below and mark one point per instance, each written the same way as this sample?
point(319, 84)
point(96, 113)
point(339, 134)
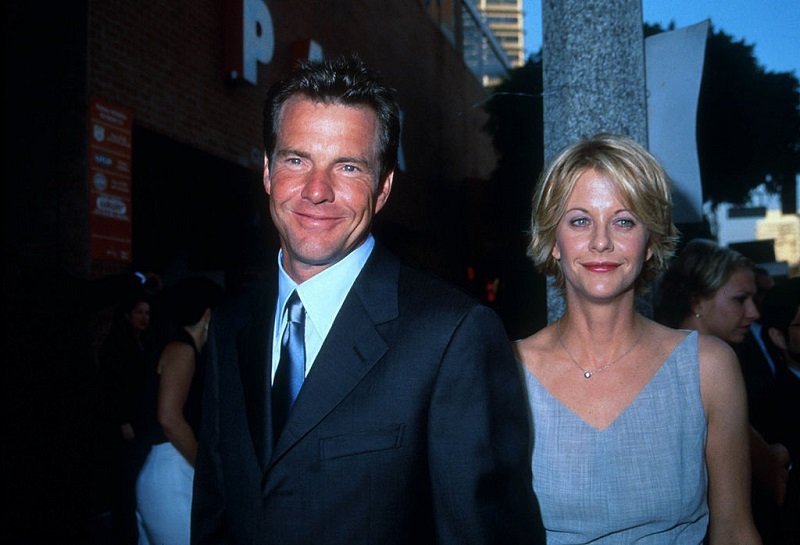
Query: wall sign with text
point(110, 136)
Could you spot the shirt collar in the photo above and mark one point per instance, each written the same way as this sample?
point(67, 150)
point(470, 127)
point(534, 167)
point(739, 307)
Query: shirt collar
point(323, 294)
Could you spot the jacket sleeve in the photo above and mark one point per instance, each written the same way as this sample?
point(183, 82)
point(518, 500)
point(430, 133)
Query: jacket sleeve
point(479, 440)
point(208, 498)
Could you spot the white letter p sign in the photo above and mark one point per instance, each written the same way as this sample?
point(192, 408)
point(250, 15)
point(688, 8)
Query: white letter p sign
point(258, 38)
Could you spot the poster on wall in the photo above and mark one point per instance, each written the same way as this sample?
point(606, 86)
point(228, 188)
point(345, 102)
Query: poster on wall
point(110, 136)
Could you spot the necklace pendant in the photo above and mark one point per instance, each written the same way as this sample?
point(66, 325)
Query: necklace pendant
point(587, 374)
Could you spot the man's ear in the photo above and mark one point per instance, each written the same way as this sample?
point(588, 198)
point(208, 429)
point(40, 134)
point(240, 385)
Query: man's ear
point(267, 187)
point(384, 188)
point(777, 338)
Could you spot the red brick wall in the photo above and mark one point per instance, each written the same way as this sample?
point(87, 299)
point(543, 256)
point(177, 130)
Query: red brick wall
point(165, 61)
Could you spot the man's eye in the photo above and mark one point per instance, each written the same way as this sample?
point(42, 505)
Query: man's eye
point(350, 168)
point(293, 160)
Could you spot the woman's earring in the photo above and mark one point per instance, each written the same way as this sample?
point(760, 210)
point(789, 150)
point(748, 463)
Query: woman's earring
point(697, 315)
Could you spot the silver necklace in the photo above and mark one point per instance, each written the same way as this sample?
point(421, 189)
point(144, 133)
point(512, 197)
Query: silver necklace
point(586, 372)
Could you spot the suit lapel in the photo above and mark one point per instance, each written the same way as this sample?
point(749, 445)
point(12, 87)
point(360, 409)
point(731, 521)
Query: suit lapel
point(255, 366)
point(353, 346)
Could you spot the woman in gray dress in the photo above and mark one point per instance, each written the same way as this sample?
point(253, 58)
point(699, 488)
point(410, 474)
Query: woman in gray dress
point(640, 430)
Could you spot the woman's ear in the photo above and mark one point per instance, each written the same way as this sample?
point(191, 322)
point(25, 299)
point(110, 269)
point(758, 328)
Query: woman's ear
point(777, 338)
point(696, 304)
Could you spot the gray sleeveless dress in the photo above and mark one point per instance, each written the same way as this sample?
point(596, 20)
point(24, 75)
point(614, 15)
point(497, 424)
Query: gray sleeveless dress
point(641, 480)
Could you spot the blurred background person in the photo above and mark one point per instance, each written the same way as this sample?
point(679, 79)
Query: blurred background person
point(776, 414)
point(711, 289)
point(756, 358)
point(125, 357)
point(640, 430)
point(172, 406)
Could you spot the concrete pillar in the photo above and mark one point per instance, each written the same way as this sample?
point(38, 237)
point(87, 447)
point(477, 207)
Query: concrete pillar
point(594, 78)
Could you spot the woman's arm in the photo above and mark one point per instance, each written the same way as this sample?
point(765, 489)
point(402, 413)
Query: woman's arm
point(176, 366)
point(727, 446)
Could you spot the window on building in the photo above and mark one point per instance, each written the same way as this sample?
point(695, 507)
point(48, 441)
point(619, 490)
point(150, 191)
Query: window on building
point(509, 39)
point(502, 20)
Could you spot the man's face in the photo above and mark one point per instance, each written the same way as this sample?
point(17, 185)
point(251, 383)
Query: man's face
point(793, 340)
point(323, 183)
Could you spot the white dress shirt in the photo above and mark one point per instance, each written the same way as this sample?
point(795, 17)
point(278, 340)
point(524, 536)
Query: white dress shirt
point(322, 296)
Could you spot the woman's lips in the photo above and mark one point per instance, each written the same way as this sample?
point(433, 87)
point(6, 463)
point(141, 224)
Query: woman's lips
point(600, 266)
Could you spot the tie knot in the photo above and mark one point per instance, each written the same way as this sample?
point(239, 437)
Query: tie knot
point(295, 308)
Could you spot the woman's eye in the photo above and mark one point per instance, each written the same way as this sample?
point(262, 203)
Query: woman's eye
point(579, 222)
point(626, 223)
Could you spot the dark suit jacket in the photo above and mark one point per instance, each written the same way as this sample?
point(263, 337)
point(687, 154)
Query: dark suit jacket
point(411, 426)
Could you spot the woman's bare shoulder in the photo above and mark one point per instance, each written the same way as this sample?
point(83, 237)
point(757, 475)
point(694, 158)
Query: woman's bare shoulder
point(717, 360)
point(177, 349)
point(662, 333)
point(176, 353)
point(537, 348)
point(709, 346)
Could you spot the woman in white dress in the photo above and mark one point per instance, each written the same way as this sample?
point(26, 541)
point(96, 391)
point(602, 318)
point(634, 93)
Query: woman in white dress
point(164, 484)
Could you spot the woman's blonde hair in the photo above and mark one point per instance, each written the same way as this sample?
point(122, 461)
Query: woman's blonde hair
point(642, 184)
point(700, 270)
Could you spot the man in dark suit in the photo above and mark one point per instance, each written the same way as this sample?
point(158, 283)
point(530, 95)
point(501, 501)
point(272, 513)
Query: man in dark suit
point(775, 414)
point(410, 425)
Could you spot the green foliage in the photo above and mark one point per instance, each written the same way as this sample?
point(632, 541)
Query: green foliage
point(516, 125)
point(748, 133)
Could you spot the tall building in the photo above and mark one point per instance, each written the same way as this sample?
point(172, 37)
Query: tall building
point(465, 26)
point(504, 17)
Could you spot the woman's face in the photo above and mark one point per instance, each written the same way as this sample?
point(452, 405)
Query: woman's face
point(139, 316)
point(729, 312)
point(601, 244)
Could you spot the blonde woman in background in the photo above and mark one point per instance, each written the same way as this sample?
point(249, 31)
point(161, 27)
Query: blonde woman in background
point(712, 289)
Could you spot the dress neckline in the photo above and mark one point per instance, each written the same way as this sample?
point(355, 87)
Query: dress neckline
point(633, 401)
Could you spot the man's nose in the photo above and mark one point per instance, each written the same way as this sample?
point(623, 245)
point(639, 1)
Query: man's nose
point(318, 187)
